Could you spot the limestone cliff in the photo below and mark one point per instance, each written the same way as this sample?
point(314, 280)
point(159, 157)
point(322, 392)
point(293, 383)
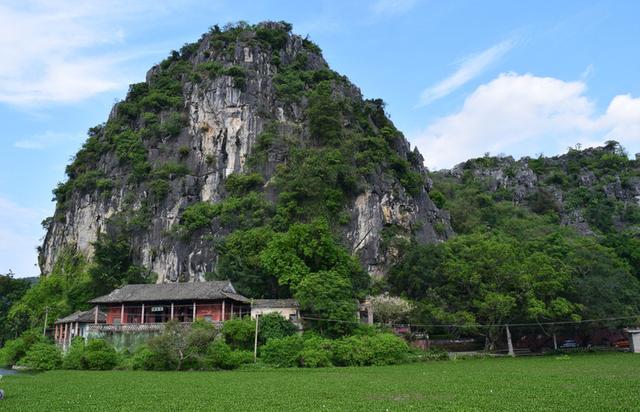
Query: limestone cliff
point(242, 101)
point(594, 190)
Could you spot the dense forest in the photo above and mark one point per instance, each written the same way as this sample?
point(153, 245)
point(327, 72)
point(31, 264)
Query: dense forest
point(517, 257)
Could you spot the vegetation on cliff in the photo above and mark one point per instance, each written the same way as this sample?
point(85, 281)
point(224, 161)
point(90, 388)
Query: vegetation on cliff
point(537, 239)
point(517, 257)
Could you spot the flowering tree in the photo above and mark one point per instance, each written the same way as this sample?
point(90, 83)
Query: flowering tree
point(390, 309)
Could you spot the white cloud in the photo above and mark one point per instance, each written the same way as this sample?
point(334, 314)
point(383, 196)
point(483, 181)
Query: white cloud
point(58, 51)
point(392, 7)
point(469, 68)
point(524, 115)
point(46, 140)
point(20, 234)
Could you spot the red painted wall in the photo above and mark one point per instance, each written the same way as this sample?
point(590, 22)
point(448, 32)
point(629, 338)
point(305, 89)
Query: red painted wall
point(210, 309)
point(113, 314)
point(214, 310)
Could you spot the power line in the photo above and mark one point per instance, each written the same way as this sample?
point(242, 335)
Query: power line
point(479, 325)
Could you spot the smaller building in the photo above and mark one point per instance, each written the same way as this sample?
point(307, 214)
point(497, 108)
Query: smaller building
point(69, 327)
point(634, 339)
point(365, 312)
point(288, 308)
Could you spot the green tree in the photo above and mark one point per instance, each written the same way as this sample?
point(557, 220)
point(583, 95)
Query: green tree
point(179, 347)
point(113, 265)
point(240, 262)
point(328, 296)
point(11, 290)
point(324, 278)
point(275, 326)
point(239, 333)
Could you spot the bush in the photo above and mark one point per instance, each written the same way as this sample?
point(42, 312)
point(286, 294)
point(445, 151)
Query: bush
point(179, 347)
point(220, 355)
point(146, 359)
point(276, 38)
point(197, 215)
point(351, 351)
point(239, 333)
point(16, 349)
point(283, 352)
point(238, 74)
point(99, 355)
point(275, 326)
point(378, 349)
point(170, 170)
point(74, 357)
point(316, 353)
point(42, 356)
point(159, 189)
point(314, 358)
point(240, 184)
point(388, 349)
point(183, 151)
point(173, 125)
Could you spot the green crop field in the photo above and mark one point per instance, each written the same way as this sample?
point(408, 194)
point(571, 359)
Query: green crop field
point(578, 382)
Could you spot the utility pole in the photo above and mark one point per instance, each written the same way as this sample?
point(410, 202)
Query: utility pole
point(46, 316)
point(509, 343)
point(255, 340)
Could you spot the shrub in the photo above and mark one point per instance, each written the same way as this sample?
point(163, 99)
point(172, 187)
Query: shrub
point(158, 100)
point(314, 358)
point(183, 151)
point(275, 326)
point(16, 349)
point(316, 353)
point(239, 333)
point(220, 355)
point(210, 69)
point(170, 170)
point(197, 215)
point(388, 349)
point(438, 198)
point(146, 359)
point(42, 356)
point(239, 184)
point(238, 74)
point(159, 189)
point(173, 124)
point(74, 357)
point(99, 355)
point(276, 38)
point(283, 352)
point(351, 351)
point(179, 347)
point(87, 181)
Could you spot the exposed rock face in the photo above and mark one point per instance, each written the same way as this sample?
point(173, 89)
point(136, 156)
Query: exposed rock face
point(223, 123)
point(582, 185)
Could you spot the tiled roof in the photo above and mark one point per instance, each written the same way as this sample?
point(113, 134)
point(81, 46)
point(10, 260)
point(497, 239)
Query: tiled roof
point(83, 317)
point(274, 303)
point(220, 289)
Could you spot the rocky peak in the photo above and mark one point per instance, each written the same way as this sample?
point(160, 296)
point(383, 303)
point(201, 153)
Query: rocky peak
point(254, 106)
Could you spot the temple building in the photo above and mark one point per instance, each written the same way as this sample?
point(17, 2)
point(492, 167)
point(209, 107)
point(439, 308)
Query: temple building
point(142, 310)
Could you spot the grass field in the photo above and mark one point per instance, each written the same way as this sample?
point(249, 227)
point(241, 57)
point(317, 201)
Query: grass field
point(580, 382)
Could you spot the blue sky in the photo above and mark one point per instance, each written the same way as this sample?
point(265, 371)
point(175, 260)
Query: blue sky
point(460, 78)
